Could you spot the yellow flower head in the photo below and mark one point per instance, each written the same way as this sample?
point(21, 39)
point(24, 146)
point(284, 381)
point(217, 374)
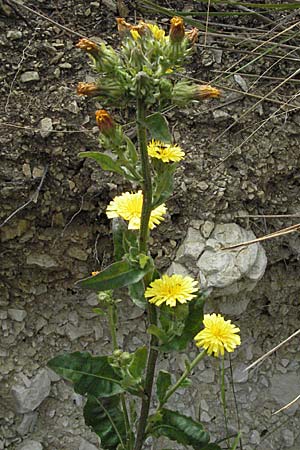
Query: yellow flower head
point(158, 33)
point(95, 273)
point(129, 207)
point(171, 289)
point(165, 152)
point(135, 34)
point(218, 335)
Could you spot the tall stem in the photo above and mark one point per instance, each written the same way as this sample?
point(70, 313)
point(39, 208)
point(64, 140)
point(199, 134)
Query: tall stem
point(143, 247)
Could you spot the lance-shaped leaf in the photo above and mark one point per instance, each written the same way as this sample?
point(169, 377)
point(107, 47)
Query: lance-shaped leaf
point(137, 366)
point(163, 382)
point(117, 275)
point(105, 161)
point(180, 428)
point(158, 127)
point(90, 374)
point(123, 238)
point(107, 421)
point(136, 292)
point(192, 326)
point(164, 183)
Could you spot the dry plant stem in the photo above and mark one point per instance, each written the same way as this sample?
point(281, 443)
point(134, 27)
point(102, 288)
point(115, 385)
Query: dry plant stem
point(143, 247)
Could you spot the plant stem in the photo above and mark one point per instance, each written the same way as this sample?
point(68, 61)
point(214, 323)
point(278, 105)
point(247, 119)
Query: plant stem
point(143, 247)
point(183, 377)
point(112, 325)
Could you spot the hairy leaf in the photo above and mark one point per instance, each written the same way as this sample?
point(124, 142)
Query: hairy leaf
point(90, 374)
point(158, 127)
point(164, 184)
point(180, 428)
point(107, 421)
point(136, 292)
point(105, 161)
point(138, 363)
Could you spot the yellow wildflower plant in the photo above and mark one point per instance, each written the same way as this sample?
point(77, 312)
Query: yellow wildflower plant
point(172, 289)
point(158, 33)
point(165, 152)
point(129, 207)
point(218, 335)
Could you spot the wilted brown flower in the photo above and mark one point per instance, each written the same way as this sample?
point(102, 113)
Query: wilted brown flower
point(124, 27)
point(177, 31)
point(192, 35)
point(206, 91)
point(88, 46)
point(104, 121)
point(88, 89)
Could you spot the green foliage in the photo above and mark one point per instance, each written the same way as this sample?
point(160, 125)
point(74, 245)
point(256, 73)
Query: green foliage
point(123, 238)
point(90, 374)
point(158, 127)
point(117, 275)
point(163, 183)
point(180, 428)
point(104, 161)
point(136, 292)
point(163, 382)
point(138, 363)
point(107, 421)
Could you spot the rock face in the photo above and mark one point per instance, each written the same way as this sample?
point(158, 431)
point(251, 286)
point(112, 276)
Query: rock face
point(28, 398)
point(221, 272)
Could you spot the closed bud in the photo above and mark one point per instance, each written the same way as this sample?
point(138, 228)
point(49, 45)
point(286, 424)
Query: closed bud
point(177, 31)
point(88, 89)
point(88, 46)
point(206, 91)
point(184, 92)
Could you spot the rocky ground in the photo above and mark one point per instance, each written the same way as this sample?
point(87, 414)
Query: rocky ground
point(60, 232)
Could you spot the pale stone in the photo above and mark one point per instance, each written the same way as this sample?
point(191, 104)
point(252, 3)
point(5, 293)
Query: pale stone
point(28, 398)
point(30, 445)
point(46, 127)
point(40, 260)
point(26, 77)
point(284, 389)
point(17, 314)
point(85, 445)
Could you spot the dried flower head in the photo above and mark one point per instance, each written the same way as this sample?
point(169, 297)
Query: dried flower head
point(165, 152)
point(129, 207)
point(206, 91)
point(192, 35)
point(88, 46)
point(172, 289)
point(88, 89)
point(104, 121)
point(177, 31)
point(218, 335)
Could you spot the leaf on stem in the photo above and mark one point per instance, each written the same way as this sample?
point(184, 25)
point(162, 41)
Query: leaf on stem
point(117, 275)
point(158, 127)
point(180, 428)
point(136, 292)
point(90, 374)
point(137, 366)
point(164, 381)
point(105, 161)
point(164, 184)
point(106, 419)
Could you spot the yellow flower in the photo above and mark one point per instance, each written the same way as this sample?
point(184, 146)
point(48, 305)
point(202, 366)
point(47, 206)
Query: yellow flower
point(165, 152)
point(158, 33)
point(171, 289)
point(218, 335)
point(95, 273)
point(135, 34)
point(129, 207)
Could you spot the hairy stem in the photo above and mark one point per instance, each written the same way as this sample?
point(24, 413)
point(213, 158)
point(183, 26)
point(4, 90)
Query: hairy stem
point(143, 247)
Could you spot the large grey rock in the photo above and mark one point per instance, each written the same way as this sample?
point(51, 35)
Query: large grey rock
point(191, 248)
point(27, 424)
point(284, 389)
point(41, 260)
point(85, 445)
point(30, 445)
point(28, 398)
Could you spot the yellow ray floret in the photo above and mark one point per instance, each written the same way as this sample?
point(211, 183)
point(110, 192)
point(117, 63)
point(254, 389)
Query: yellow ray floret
point(171, 289)
point(158, 33)
point(165, 152)
point(129, 207)
point(218, 335)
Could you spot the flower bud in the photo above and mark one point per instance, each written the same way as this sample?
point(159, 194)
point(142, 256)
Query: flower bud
point(177, 32)
point(192, 35)
point(88, 89)
point(88, 46)
point(184, 92)
point(104, 121)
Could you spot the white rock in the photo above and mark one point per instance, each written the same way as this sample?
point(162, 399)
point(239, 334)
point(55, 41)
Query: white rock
point(46, 127)
point(28, 398)
point(191, 248)
point(26, 77)
point(14, 35)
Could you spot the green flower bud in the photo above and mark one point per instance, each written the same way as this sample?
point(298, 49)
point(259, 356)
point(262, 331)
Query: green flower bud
point(184, 92)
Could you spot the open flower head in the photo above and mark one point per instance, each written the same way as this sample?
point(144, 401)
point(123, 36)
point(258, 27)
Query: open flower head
point(172, 289)
point(158, 33)
point(218, 335)
point(165, 152)
point(129, 207)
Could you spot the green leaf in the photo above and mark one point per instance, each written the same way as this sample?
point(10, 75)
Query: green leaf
point(123, 238)
point(105, 161)
point(137, 366)
point(117, 275)
point(133, 155)
point(136, 292)
point(158, 127)
point(106, 419)
point(90, 374)
point(158, 332)
point(193, 325)
point(164, 381)
point(180, 428)
point(164, 185)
